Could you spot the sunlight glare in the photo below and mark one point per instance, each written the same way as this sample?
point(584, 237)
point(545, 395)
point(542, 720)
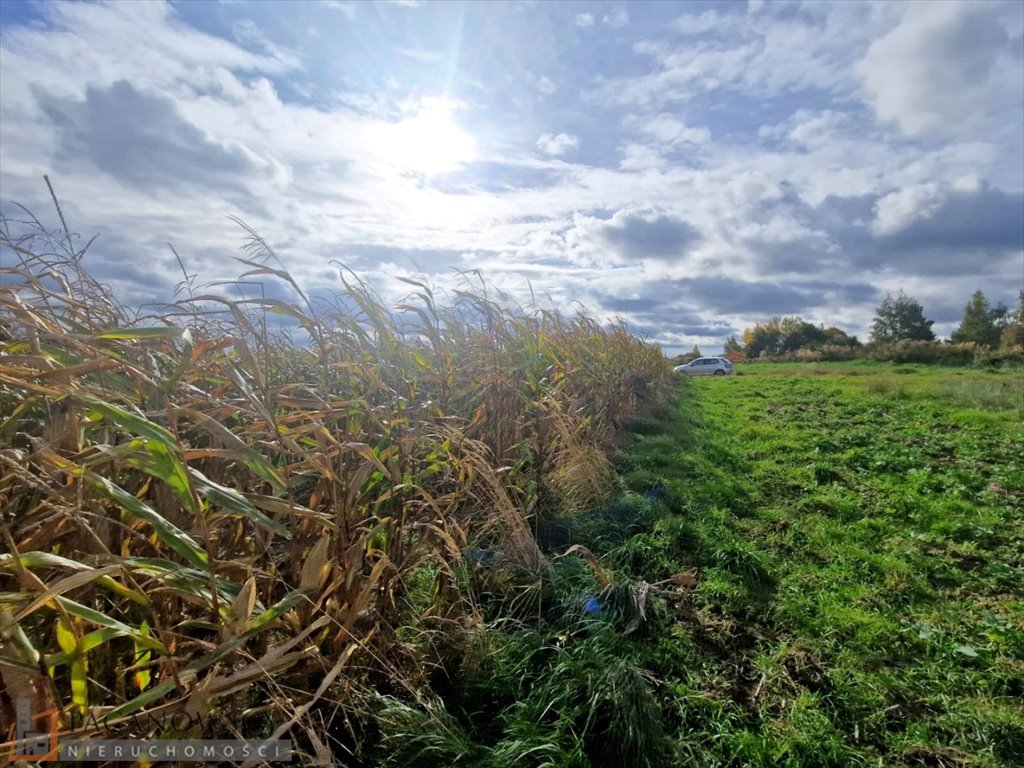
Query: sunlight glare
point(430, 142)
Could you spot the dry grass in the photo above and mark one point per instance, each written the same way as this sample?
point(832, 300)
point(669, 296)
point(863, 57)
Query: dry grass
point(200, 513)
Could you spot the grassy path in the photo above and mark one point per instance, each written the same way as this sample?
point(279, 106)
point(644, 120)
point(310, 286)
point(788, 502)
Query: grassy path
point(859, 537)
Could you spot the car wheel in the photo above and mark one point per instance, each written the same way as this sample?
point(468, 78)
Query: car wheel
point(719, 373)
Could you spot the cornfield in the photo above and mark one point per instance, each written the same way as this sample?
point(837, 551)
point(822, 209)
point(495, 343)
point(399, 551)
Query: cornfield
point(221, 506)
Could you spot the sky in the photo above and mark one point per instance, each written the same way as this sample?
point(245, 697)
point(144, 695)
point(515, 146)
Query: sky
point(690, 168)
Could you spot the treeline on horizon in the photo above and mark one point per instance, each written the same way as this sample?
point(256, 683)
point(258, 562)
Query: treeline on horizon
point(900, 332)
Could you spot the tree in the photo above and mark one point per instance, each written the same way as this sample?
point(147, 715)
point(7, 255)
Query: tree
point(900, 317)
point(733, 350)
point(981, 324)
point(1013, 335)
point(837, 337)
point(797, 333)
point(686, 357)
point(763, 339)
point(781, 335)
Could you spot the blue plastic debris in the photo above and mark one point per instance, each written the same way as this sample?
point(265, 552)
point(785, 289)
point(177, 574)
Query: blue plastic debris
point(479, 555)
point(591, 605)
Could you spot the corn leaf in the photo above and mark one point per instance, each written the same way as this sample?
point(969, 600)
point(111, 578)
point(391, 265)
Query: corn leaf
point(101, 619)
point(131, 334)
point(142, 676)
point(166, 531)
point(232, 501)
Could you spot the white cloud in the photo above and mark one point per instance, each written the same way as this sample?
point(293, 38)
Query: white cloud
point(669, 131)
point(938, 69)
point(810, 128)
point(694, 24)
point(913, 204)
point(546, 85)
point(347, 8)
point(640, 157)
point(346, 175)
point(557, 144)
point(763, 55)
point(584, 20)
point(618, 18)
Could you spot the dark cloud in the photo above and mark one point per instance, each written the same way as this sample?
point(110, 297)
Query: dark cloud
point(969, 232)
point(642, 306)
point(690, 305)
point(724, 294)
point(985, 219)
point(141, 139)
point(639, 235)
point(763, 298)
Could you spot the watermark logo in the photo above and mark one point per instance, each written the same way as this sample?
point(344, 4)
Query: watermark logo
point(33, 744)
point(30, 743)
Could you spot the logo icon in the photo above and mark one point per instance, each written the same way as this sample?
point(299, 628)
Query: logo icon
point(30, 744)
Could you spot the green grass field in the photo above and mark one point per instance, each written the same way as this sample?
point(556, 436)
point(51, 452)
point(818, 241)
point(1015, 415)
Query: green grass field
point(868, 527)
point(856, 534)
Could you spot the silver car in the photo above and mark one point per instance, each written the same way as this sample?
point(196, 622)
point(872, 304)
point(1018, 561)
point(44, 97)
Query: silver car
point(706, 366)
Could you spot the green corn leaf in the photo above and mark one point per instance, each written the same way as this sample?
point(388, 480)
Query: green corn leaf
point(153, 458)
point(232, 501)
point(276, 611)
point(189, 673)
point(118, 588)
point(41, 560)
point(102, 620)
point(135, 424)
point(129, 334)
point(69, 643)
point(92, 640)
point(142, 677)
point(166, 531)
point(66, 637)
point(67, 584)
point(154, 694)
point(79, 684)
point(251, 458)
point(188, 581)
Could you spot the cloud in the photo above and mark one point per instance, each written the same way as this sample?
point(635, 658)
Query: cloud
point(546, 86)
point(347, 8)
point(764, 298)
point(808, 128)
point(694, 24)
point(142, 140)
point(709, 171)
point(965, 216)
point(640, 157)
point(795, 49)
point(936, 71)
point(584, 20)
point(633, 234)
point(669, 131)
point(618, 18)
point(557, 144)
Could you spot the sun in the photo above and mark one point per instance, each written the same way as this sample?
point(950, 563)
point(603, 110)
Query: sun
point(429, 142)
